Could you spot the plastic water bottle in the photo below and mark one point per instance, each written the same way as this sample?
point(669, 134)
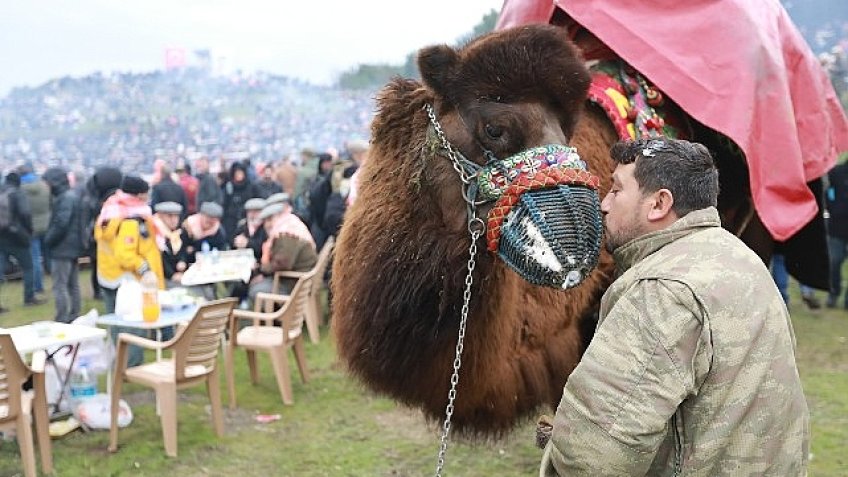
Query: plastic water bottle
point(83, 385)
point(204, 249)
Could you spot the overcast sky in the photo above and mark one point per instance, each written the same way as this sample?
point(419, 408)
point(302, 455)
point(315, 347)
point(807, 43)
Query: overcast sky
point(310, 39)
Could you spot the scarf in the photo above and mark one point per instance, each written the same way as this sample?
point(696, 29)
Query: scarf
point(164, 234)
point(195, 230)
point(286, 224)
point(121, 205)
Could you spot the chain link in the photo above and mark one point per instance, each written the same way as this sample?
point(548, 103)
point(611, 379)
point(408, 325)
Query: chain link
point(457, 361)
point(457, 165)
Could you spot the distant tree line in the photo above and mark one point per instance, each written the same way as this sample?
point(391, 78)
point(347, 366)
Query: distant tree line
point(373, 76)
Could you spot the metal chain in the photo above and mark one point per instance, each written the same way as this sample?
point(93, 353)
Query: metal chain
point(457, 165)
point(476, 227)
point(457, 361)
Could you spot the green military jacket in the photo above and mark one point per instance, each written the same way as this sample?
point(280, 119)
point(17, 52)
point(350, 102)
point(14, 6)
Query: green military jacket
point(692, 368)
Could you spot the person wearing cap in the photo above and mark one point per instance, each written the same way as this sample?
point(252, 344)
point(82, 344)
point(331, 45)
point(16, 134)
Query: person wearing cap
point(170, 242)
point(249, 234)
point(278, 198)
point(64, 240)
point(289, 247)
point(204, 227)
point(126, 247)
point(249, 231)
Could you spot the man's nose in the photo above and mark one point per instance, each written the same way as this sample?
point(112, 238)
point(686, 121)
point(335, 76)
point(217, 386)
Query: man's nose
point(605, 204)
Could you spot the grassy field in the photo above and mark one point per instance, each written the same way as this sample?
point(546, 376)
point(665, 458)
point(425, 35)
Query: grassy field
point(338, 428)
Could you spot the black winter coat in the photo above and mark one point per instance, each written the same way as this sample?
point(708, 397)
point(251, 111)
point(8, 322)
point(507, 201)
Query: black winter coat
point(235, 195)
point(169, 191)
point(64, 236)
point(19, 232)
point(208, 190)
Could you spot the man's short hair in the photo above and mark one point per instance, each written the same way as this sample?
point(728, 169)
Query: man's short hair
point(684, 168)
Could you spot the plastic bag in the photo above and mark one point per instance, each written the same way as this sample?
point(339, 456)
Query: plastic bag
point(95, 353)
point(128, 302)
point(95, 412)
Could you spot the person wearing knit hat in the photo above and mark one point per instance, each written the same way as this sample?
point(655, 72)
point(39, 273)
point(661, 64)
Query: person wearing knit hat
point(134, 185)
point(126, 233)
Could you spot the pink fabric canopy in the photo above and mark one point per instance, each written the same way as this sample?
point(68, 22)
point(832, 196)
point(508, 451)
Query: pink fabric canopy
point(738, 66)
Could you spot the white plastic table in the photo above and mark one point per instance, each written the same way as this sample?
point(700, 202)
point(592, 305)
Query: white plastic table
point(53, 335)
point(27, 340)
point(216, 267)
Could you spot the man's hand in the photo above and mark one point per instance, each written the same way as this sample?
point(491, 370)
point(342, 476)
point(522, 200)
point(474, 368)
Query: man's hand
point(149, 277)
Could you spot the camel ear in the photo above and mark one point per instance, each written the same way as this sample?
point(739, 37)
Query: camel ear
point(437, 64)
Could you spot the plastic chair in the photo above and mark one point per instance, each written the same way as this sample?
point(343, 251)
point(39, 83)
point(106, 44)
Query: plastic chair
point(193, 361)
point(17, 406)
point(314, 310)
point(263, 335)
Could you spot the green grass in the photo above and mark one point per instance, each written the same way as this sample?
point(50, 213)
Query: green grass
point(337, 428)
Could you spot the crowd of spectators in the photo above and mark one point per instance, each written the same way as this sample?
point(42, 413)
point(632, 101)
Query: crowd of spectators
point(130, 120)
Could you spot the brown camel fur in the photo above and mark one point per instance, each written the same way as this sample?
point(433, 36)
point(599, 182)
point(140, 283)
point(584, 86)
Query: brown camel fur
point(400, 262)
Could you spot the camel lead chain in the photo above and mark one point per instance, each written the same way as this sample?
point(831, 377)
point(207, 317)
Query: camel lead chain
point(457, 362)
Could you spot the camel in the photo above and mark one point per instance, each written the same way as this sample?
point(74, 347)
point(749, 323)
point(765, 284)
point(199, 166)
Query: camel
point(400, 264)
point(401, 259)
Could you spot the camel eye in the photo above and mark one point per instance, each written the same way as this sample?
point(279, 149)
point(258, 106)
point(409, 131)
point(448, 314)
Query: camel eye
point(494, 132)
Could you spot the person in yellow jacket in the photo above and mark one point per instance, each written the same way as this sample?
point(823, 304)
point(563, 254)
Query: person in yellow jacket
point(126, 247)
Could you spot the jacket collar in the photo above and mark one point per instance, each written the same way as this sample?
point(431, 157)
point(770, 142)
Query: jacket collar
point(637, 249)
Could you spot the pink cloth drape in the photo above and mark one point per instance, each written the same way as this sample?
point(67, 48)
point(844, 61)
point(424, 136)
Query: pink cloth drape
point(738, 66)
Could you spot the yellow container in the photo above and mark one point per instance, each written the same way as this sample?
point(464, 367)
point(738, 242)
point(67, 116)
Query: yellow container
point(150, 308)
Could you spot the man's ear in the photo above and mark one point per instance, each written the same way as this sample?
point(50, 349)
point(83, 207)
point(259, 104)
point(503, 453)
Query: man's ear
point(661, 206)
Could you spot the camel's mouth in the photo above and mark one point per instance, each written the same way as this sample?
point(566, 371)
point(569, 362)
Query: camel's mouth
point(546, 224)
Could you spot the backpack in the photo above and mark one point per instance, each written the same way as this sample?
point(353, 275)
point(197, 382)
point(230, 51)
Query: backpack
point(5, 208)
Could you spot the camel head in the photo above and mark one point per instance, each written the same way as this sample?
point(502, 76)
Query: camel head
point(505, 100)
